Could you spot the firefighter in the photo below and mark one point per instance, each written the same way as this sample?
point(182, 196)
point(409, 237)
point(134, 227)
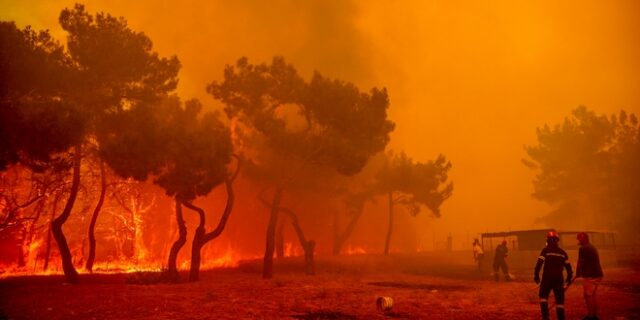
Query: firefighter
point(590, 270)
point(554, 260)
point(499, 261)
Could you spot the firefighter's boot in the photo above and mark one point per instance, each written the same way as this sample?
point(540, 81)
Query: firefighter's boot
point(544, 309)
point(560, 311)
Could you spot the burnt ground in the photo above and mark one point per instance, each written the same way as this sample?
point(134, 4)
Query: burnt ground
point(343, 288)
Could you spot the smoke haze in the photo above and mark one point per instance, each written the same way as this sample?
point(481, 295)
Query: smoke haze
point(469, 80)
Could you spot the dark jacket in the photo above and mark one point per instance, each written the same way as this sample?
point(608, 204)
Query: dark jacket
point(588, 262)
point(501, 253)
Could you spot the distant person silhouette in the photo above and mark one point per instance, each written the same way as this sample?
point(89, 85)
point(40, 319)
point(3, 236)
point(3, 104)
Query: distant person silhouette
point(478, 254)
point(590, 270)
point(499, 261)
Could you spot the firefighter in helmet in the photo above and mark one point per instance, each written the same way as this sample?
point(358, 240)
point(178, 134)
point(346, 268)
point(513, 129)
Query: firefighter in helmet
point(554, 260)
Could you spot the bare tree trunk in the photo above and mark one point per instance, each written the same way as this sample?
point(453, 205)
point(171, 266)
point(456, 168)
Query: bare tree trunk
point(342, 237)
point(390, 228)
point(70, 272)
point(307, 246)
point(197, 244)
point(267, 267)
point(201, 238)
point(182, 238)
point(49, 233)
point(94, 219)
point(280, 239)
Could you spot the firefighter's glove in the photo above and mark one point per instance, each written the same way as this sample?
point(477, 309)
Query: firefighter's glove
point(536, 278)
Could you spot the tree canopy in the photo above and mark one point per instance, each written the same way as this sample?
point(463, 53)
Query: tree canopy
point(35, 75)
point(184, 150)
point(417, 184)
point(587, 168)
point(324, 121)
point(321, 123)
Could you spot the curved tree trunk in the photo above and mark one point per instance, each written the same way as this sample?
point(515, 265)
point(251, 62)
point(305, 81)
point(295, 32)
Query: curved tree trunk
point(49, 233)
point(172, 268)
point(70, 272)
point(307, 246)
point(198, 242)
point(94, 219)
point(267, 267)
point(201, 238)
point(342, 237)
point(390, 228)
point(196, 251)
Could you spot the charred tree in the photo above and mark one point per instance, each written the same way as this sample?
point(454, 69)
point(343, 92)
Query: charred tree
point(94, 219)
point(307, 246)
point(70, 273)
point(47, 254)
point(341, 237)
point(201, 237)
point(343, 126)
point(172, 268)
point(413, 185)
point(390, 225)
point(267, 270)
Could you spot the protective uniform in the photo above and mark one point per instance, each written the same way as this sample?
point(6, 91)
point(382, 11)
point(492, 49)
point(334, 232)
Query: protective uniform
point(554, 260)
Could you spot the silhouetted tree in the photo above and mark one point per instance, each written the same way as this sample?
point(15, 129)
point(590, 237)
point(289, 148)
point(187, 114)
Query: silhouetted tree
point(201, 237)
point(94, 218)
point(63, 95)
point(117, 69)
point(187, 153)
point(319, 123)
point(355, 192)
point(37, 122)
point(587, 168)
point(413, 184)
point(37, 119)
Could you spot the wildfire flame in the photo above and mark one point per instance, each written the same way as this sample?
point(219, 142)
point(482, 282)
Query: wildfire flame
point(229, 258)
point(353, 250)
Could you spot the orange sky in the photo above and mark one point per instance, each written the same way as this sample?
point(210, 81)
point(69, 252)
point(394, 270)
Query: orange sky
point(471, 80)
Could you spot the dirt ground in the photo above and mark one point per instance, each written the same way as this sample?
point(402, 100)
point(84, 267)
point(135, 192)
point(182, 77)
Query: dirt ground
point(344, 288)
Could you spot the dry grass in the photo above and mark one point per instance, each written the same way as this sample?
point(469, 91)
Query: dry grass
point(344, 288)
